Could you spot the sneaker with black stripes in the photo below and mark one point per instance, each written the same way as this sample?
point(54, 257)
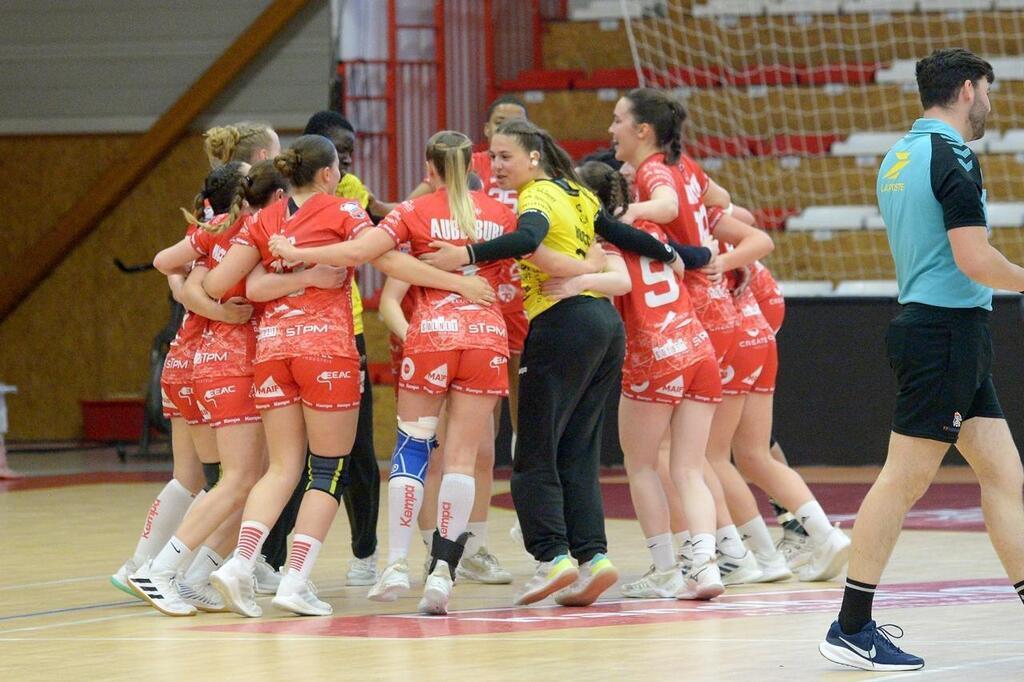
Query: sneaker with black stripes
point(159, 589)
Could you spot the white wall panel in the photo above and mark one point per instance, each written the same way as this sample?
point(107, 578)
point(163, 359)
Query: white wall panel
point(116, 65)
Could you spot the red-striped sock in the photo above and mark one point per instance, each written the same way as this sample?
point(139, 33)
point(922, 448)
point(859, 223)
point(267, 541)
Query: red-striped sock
point(250, 541)
point(305, 549)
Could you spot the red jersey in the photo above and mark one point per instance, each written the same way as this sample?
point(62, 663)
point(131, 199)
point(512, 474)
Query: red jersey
point(510, 293)
point(311, 322)
point(178, 363)
point(663, 335)
point(226, 350)
point(444, 320)
point(764, 286)
point(691, 227)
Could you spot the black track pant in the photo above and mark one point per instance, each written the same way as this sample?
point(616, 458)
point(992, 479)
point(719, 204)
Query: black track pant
point(362, 491)
point(570, 365)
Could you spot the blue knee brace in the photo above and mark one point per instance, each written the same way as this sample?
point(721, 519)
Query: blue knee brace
point(328, 475)
point(411, 456)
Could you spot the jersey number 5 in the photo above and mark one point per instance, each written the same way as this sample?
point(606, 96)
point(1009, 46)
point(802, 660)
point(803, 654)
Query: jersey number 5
point(663, 275)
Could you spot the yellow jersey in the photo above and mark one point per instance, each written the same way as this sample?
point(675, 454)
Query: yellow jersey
point(570, 210)
point(352, 187)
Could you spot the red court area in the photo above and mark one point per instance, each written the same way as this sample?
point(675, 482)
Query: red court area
point(946, 506)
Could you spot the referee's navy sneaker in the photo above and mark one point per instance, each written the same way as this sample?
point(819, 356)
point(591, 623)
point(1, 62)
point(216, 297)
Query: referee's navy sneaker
point(870, 649)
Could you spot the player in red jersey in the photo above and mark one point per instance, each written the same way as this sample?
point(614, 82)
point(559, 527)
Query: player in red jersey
point(454, 349)
point(670, 382)
point(240, 450)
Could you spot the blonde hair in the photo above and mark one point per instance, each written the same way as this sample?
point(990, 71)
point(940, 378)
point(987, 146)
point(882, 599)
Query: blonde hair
point(451, 153)
point(238, 142)
point(220, 189)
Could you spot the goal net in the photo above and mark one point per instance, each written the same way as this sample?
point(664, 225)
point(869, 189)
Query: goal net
point(792, 104)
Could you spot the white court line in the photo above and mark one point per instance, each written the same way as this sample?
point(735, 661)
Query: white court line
point(950, 668)
point(64, 581)
point(71, 623)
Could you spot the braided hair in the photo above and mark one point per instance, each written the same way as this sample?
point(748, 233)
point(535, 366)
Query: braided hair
point(665, 114)
point(217, 197)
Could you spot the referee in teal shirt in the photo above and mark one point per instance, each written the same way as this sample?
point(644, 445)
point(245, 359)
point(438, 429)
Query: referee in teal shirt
point(932, 200)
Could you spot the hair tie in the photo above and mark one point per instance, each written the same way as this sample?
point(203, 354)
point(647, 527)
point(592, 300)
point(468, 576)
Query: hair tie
point(248, 180)
point(207, 210)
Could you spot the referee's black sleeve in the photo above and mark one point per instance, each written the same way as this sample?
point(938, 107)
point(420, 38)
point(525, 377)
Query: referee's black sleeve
point(531, 228)
point(629, 238)
point(957, 184)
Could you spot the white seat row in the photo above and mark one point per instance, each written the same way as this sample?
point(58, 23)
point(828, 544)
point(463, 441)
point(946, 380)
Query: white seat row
point(903, 70)
point(878, 143)
point(793, 7)
point(1008, 214)
point(596, 10)
point(818, 288)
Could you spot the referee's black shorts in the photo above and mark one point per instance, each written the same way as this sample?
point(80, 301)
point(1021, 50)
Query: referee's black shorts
point(942, 358)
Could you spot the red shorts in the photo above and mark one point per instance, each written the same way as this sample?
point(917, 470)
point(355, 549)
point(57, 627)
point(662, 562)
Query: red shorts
point(766, 380)
point(700, 382)
point(744, 365)
point(473, 370)
point(774, 311)
point(322, 383)
point(397, 349)
point(517, 325)
point(227, 401)
point(179, 403)
point(723, 342)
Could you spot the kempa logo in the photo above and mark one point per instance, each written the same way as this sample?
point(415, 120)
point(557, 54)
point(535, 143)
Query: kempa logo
point(327, 377)
point(269, 389)
point(439, 376)
point(446, 518)
point(408, 506)
point(902, 159)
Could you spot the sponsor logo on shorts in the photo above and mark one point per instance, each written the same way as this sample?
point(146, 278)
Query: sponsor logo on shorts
point(640, 388)
point(728, 374)
point(439, 376)
point(165, 399)
point(269, 389)
point(498, 361)
point(328, 377)
point(670, 348)
point(214, 393)
point(408, 367)
point(203, 411)
point(185, 393)
point(439, 324)
point(673, 389)
point(749, 381)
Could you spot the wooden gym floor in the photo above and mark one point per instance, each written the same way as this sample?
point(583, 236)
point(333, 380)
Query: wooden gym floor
point(60, 618)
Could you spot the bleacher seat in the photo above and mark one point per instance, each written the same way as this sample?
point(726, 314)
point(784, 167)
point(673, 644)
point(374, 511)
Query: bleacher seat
point(590, 10)
point(861, 6)
point(1009, 4)
point(805, 288)
point(867, 287)
point(1006, 214)
point(954, 5)
point(831, 218)
point(1010, 142)
point(736, 8)
point(789, 7)
point(903, 70)
point(865, 144)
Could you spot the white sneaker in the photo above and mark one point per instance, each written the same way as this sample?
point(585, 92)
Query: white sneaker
point(120, 579)
point(238, 587)
point(202, 596)
point(550, 577)
point(392, 583)
point(827, 558)
point(796, 547)
point(739, 570)
point(655, 585)
point(482, 567)
point(362, 571)
point(773, 567)
point(267, 579)
point(704, 582)
point(299, 596)
point(438, 591)
point(158, 588)
point(595, 576)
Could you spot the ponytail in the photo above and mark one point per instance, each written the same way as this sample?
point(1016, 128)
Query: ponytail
point(556, 161)
point(218, 196)
point(665, 114)
point(608, 184)
point(451, 153)
point(301, 161)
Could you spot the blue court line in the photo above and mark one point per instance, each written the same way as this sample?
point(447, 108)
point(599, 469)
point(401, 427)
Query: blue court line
point(70, 609)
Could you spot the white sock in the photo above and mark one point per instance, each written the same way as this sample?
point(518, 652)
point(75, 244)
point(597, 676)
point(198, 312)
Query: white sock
point(251, 537)
point(405, 497)
point(174, 557)
point(703, 547)
point(755, 534)
point(812, 517)
point(661, 552)
point(478, 538)
point(679, 540)
point(305, 549)
point(205, 562)
point(428, 536)
point(728, 541)
point(162, 519)
point(454, 504)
